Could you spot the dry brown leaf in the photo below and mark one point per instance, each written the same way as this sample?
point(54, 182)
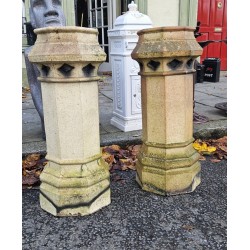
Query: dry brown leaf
point(24, 173)
point(108, 158)
point(222, 140)
point(135, 149)
point(115, 147)
point(33, 157)
point(28, 164)
point(223, 148)
point(202, 158)
point(126, 161)
point(124, 168)
point(29, 180)
point(132, 167)
point(214, 160)
point(38, 173)
point(124, 153)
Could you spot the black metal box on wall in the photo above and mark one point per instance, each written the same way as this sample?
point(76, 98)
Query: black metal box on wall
point(211, 69)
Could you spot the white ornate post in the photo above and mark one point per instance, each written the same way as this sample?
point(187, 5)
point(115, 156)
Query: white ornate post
point(167, 162)
point(126, 81)
point(76, 179)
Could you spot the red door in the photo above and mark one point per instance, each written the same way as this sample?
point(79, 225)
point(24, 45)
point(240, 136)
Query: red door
point(213, 17)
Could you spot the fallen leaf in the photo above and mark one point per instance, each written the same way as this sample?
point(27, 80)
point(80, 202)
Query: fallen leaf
point(109, 150)
point(215, 160)
point(223, 148)
point(222, 140)
point(109, 158)
point(38, 173)
point(124, 168)
point(126, 161)
point(115, 147)
point(135, 150)
point(124, 153)
point(203, 148)
point(28, 164)
point(32, 167)
point(202, 158)
point(29, 180)
point(132, 167)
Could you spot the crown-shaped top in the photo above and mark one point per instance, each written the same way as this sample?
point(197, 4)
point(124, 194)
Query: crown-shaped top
point(132, 6)
point(132, 18)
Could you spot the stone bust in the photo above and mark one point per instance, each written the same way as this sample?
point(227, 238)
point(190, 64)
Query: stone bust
point(43, 13)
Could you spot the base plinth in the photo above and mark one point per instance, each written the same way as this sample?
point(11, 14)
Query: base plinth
point(75, 190)
point(126, 125)
point(166, 176)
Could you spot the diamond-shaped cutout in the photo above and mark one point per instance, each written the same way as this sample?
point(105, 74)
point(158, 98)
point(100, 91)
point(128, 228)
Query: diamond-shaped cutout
point(153, 65)
point(65, 69)
point(45, 70)
point(88, 70)
point(190, 63)
point(174, 64)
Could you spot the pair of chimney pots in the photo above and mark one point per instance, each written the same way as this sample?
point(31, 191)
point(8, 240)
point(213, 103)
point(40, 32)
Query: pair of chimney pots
point(76, 179)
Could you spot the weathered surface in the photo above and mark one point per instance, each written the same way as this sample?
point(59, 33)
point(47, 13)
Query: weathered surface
point(167, 163)
point(76, 179)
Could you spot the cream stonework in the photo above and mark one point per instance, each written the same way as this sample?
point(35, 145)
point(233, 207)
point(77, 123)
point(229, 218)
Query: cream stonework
point(76, 179)
point(167, 162)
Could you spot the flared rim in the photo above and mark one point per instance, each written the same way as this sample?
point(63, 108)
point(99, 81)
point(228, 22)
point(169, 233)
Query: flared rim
point(66, 29)
point(165, 28)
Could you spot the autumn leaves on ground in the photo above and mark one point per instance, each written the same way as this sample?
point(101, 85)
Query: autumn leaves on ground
point(120, 159)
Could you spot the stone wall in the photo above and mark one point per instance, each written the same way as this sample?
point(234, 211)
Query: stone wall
point(172, 12)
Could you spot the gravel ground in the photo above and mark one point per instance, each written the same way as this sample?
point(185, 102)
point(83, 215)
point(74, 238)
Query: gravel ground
point(137, 220)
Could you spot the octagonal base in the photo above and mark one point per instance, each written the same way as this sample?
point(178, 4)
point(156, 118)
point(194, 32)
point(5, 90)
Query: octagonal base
point(75, 190)
point(166, 176)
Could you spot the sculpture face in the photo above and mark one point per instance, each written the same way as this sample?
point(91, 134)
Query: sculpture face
point(44, 13)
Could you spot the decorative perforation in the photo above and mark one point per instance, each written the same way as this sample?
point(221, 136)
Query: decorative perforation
point(45, 70)
point(88, 70)
point(190, 63)
point(66, 69)
point(174, 64)
point(153, 65)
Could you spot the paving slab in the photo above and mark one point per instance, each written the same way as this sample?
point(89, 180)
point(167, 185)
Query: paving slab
point(213, 113)
point(213, 88)
point(208, 99)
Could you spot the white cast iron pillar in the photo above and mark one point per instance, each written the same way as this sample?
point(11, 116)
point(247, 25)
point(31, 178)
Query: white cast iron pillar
point(126, 81)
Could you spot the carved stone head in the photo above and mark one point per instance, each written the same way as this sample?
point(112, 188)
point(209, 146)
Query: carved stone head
point(44, 13)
